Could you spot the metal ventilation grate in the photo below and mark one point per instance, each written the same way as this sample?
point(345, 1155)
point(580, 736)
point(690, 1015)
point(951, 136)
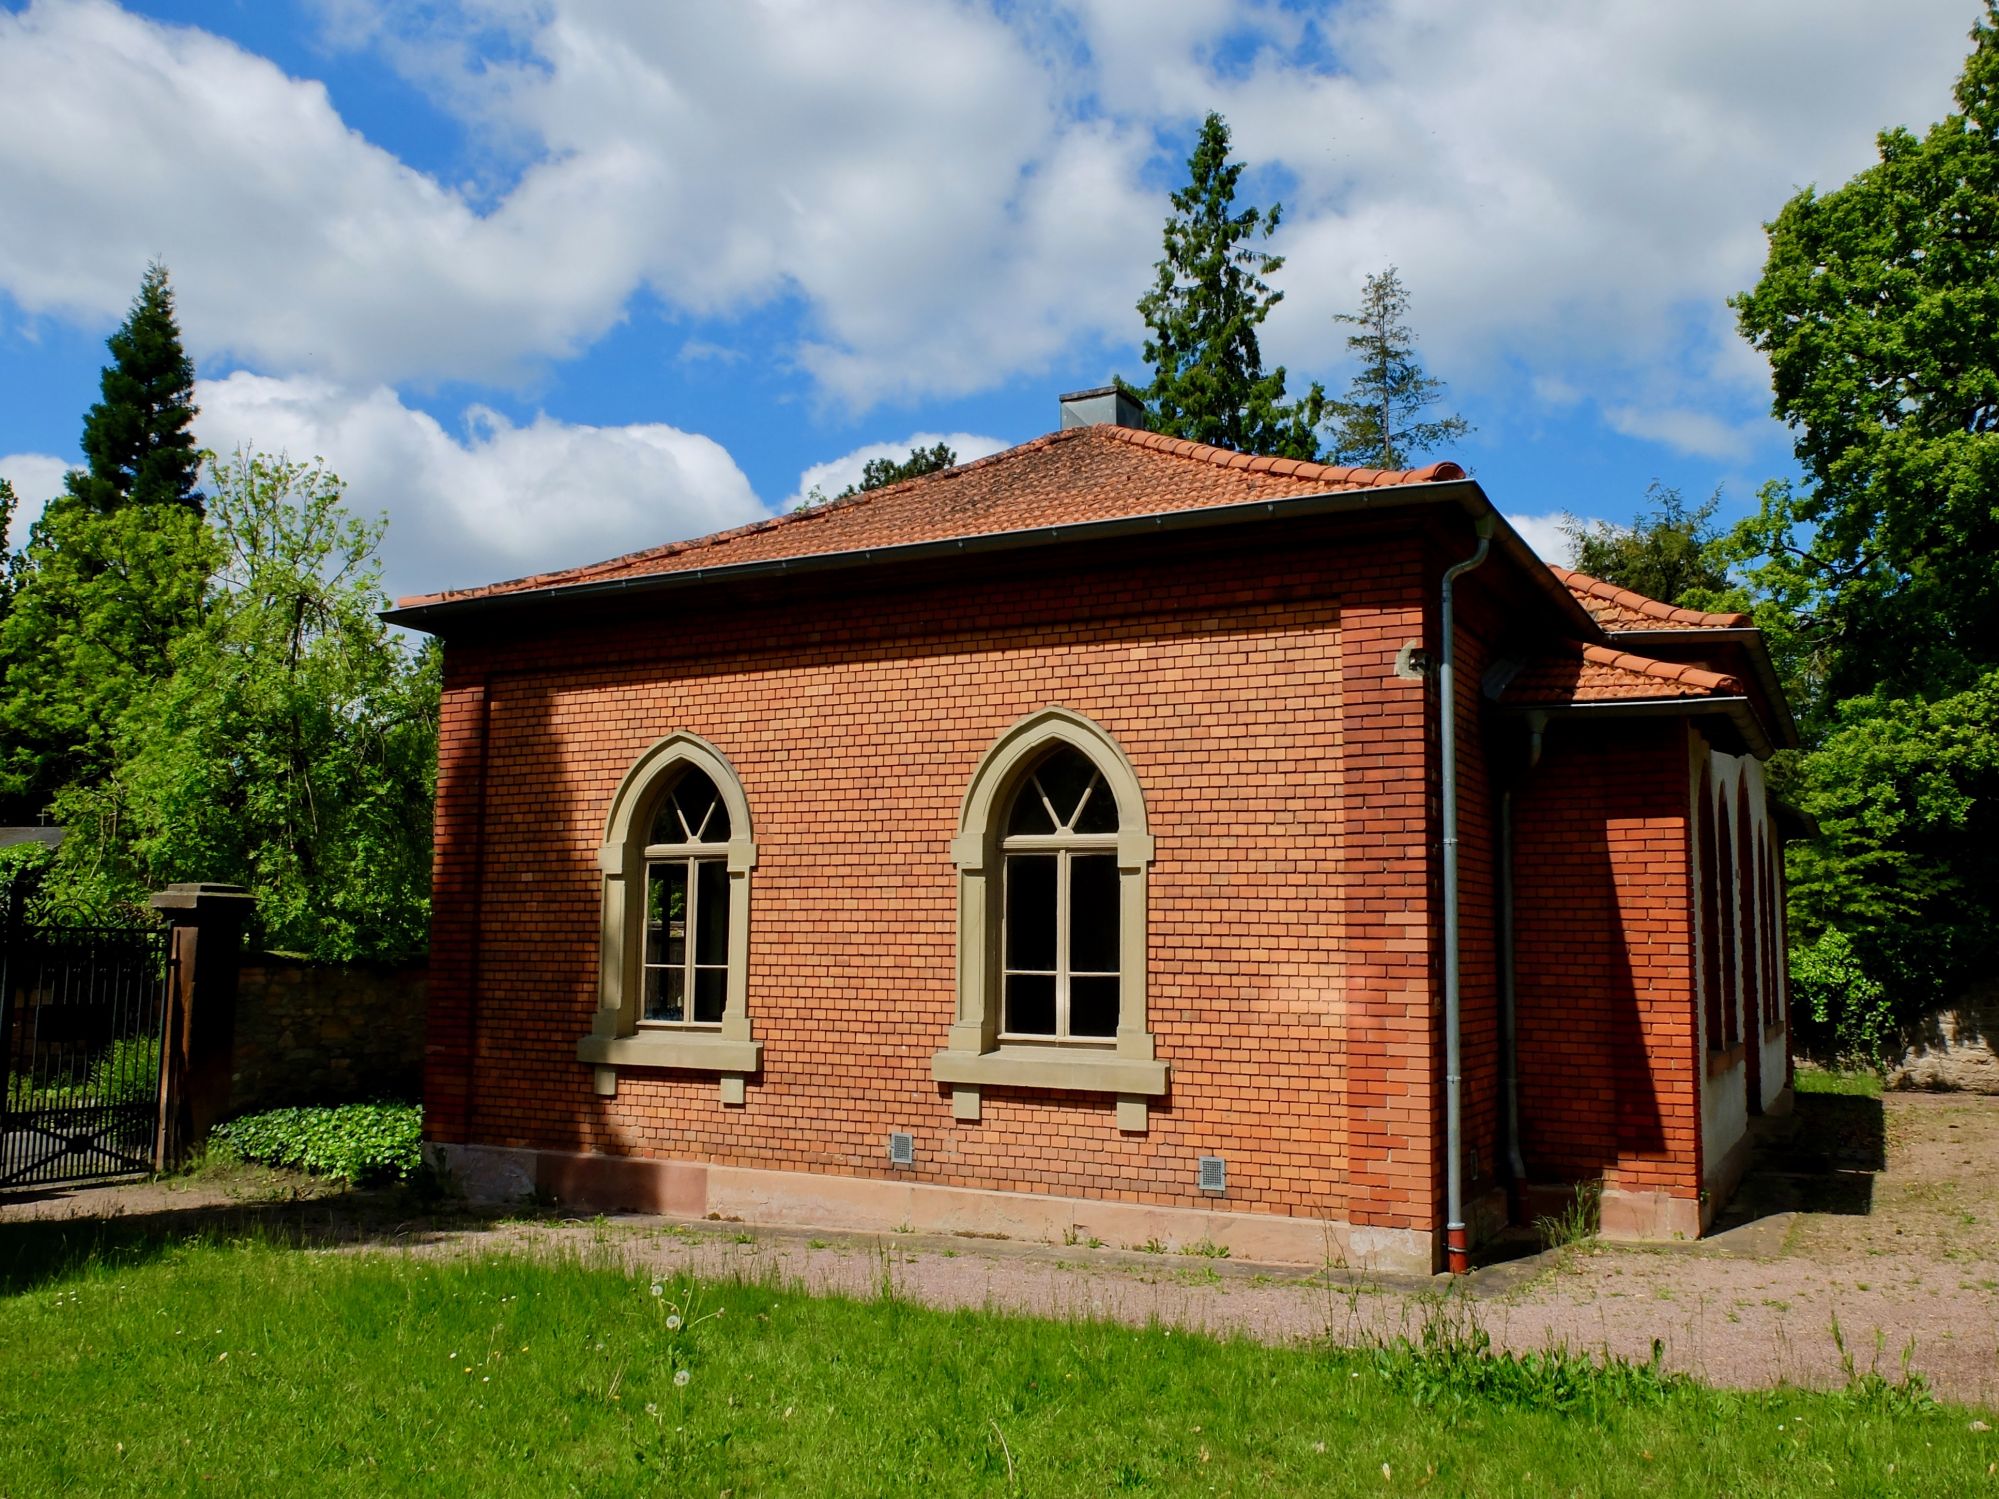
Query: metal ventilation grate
point(901, 1149)
point(1214, 1174)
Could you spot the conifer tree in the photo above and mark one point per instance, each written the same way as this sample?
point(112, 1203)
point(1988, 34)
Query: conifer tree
point(1208, 381)
point(1380, 422)
point(136, 440)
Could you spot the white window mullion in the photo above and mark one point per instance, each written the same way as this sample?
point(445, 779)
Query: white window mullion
point(1062, 945)
point(687, 945)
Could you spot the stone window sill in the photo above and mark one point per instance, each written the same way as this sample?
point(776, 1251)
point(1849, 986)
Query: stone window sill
point(690, 1051)
point(1056, 1068)
point(1719, 1062)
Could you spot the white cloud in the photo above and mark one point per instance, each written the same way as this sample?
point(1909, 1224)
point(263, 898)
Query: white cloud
point(834, 475)
point(495, 500)
point(1545, 535)
point(1697, 433)
point(37, 479)
point(953, 196)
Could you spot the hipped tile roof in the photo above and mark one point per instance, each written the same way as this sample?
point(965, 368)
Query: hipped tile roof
point(1574, 672)
point(1077, 475)
point(1616, 609)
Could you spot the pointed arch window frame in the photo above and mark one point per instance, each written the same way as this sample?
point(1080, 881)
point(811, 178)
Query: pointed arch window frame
point(976, 1056)
point(617, 1038)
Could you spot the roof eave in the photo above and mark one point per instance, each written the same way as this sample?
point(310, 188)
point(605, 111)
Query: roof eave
point(437, 617)
point(1752, 640)
point(1738, 710)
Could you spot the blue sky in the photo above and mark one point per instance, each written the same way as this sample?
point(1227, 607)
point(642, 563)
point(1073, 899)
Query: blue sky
point(546, 280)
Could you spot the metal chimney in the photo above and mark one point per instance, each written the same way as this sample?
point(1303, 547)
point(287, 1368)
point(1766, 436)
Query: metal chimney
point(1106, 405)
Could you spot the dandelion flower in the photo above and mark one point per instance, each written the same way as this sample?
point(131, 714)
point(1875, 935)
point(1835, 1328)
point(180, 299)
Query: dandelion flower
point(658, 1289)
point(680, 1378)
point(652, 1408)
point(673, 1322)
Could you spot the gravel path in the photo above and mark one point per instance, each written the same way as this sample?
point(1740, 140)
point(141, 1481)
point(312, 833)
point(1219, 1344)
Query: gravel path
point(1878, 1215)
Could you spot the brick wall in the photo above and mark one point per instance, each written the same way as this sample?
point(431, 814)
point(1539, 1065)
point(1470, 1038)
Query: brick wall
point(326, 1032)
point(1604, 943)
point(1287, 780)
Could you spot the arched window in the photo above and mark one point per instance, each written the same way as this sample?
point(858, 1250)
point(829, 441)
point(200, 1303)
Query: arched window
point(673, 964)
point(1052, 853)
point(686, 952)
point(1061, 951)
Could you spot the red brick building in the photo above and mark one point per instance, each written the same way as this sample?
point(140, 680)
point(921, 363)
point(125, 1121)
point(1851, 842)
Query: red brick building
point(1061, 844)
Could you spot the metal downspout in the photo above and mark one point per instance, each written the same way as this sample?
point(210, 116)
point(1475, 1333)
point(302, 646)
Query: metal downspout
point(1509, 995)
point(1456, 1240)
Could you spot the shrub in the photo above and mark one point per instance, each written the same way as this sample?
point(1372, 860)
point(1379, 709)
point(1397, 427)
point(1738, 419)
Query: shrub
point(128, 1071)
point(357, 1142)
point(1847, 1014)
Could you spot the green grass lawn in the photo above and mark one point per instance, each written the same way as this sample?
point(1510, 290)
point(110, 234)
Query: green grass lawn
point(148, 1367)
point(1864, 1083)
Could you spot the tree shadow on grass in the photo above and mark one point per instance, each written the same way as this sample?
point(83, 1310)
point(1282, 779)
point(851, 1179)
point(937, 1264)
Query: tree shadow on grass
point(38, 1251)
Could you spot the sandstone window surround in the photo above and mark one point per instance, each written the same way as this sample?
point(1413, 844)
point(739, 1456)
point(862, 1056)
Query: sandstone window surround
point(1051, 833)
point(668, 843)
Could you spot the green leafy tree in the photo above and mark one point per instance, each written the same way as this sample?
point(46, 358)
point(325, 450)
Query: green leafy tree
point(1878, 309)
point(102, 597)
point(879, 473)
point(1668, 552)
point(113, 572)
point(1208, 381)
point(138, 442)
point(9, 506)
point(292, 748)
point(1382, 422)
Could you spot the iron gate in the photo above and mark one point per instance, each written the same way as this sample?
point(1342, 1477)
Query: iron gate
point(82, 1013)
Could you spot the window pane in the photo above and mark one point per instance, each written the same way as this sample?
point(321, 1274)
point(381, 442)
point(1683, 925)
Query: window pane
point(1065, 775)
point(1099, 814)
point(1029, 815)
point(1093, 913)
point(694, 798)
point(1030, 911)
point(711, 911)
point(666, 913)
point(1093, 1007)
point(663, 994)
point(711, 987)
point(1030, 1004)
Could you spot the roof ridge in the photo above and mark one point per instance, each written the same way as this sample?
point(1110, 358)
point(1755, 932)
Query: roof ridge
point(1666, 671)
point(584, 572)
point(1583, 584)
point(1341, 475)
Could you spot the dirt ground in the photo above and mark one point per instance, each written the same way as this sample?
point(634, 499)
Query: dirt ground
point(1877, 1217)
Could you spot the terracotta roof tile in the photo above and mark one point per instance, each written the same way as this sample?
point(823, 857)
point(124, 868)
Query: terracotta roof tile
point(1616, 609)
point(1579, 673)
point(1065, 478)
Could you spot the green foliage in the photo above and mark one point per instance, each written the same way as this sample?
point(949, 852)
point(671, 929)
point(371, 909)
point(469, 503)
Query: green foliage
point(292, 749)
point(112, 573)
point(879, 473)
point(137, 439)
point(1906, 794)
point(357, 1142)
point(1668, 552)
point(127, 1071)
point(1578, 1220)
point(1878, 309)
point(1380, 424)
point(1204, 309)
point(1835, 1082)
point(103, 597)
point(1840, 1011)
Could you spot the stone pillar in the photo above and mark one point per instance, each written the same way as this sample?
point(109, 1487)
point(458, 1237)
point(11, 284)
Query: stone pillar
point(200, 1037)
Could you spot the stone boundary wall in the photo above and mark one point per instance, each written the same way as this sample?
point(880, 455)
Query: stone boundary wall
point(310, 1032)
point(1955, 1050)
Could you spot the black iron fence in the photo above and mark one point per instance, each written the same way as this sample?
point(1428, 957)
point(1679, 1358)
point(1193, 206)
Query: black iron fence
point(82, 1015)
